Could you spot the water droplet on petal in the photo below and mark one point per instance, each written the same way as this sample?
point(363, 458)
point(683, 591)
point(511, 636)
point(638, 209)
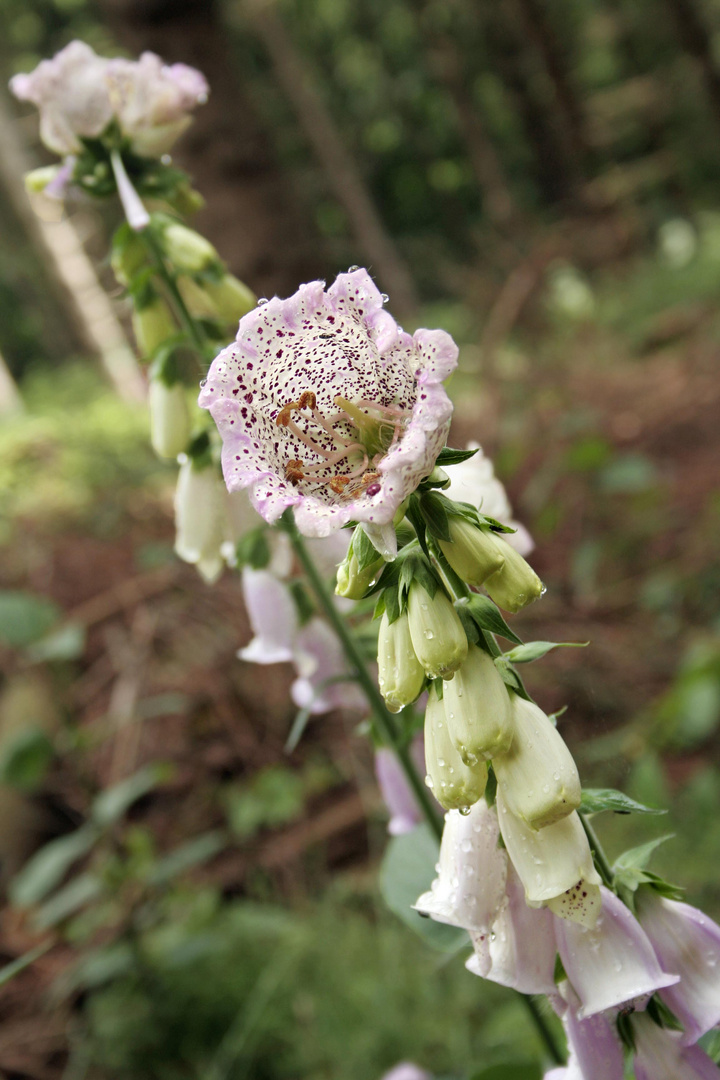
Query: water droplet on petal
point(262, 300)
point(384, 297)
point(203, 382)
point(353, 268)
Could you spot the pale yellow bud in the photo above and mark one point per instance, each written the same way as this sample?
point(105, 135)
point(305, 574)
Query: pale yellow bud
point(352, 582)
point(153, 325)
point(196, 299)
point(400, 675)
point(474, 553)
point(537, 776)
point(170, 423)
point(230, 297)
point(515, 585)
point(479, 709)
point(454, 784)
point(187, 251)
point(437, 634)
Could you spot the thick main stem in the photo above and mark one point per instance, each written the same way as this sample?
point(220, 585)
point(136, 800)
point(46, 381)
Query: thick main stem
point(602, 863)
point(385, 719)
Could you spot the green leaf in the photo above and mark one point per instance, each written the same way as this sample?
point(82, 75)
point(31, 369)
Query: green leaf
point(25, 759)
point(407, 870)
point(432, 508)
point(48, 866)
point(253, 549)
point(363, 549)
point(186, 856)
point(595, 800)
point(77, 894)
point(488, 617)
point(511, 1070)
point(67, 643)
point(637, 858)
point(273, 797)
point(534, 650)
point(25, 618)
point(448, 456)
point(511, 678)
point(11, 970)
point(110, 805)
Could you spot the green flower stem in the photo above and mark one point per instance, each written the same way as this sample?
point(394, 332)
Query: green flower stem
point(547, 1036)
point(602, 863)
point(191, 325)
point(385, 719)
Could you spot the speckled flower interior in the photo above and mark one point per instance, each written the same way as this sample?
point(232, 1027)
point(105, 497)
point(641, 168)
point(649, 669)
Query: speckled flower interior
point(325, 404)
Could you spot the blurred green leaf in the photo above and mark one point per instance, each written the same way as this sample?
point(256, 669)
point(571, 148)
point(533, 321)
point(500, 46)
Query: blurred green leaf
point(595, 800)
point(628, 474)
point(273, 797)
point(11, 970)
point(513, 1070)
point(186, 856)
point(67, 643)
point(535, 650)
point(48, 866)
point(110, 805)
point(407, 871)
point(78, 892)
point(25, 758)
point(25, 617)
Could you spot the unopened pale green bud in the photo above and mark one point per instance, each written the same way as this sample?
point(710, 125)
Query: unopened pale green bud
point(537, 777)
point(128, 257)
point(473, 552)
point(437, 634)
point(186, 200)
point(515, 585)
point(479, 709)
point(196, 298)
point(400, 674)
point(170, 423)
point(187, 251)
point(38, 179)
point(153, 324)
point(454, 784)
point(352, 582)
point(230, 297)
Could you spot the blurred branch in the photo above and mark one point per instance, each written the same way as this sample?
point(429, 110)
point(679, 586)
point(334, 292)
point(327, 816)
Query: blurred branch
point(340, 168)
point(72, 275)
point(10, 400)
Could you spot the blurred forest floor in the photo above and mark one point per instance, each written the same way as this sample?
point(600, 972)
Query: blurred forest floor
point(602, 409)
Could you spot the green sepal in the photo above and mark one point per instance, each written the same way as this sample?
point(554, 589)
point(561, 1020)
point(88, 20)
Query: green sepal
point(495, 525)
point(438, 478)
point(439, 685)
point(625, 1031)
point(253, 549)
point(535, 650)
point(487, 616)
point(449, 456)
point(199, 451)
point(434, 512)
point(637, 858)
point(630, 873)
point(363, 549)
point(416, 569)
point(416, 519)
point(164, 365)
point(595, 800)
point(661, 1015)
point(470, 627)
point(511, 678)
point(393, 606)
point(559, 974)
point(491, 786)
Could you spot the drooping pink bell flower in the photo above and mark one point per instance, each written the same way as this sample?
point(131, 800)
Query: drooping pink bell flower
point(594, 1045)
point(661, 1055)
point(474, 481)
point(469, 890)
point(78, 93)
point(405, 812)
point(325, 405)
point(273, 618)
point(321, 685)
point(613, 964)
point(688, 942)
point(522, 944)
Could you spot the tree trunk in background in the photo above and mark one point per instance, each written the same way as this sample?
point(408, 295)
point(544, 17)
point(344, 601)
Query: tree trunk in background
point(252, 215)
point(447, 66)
point(341, 171)
point(569, 113)
point(557, 169)
point(695, 40)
